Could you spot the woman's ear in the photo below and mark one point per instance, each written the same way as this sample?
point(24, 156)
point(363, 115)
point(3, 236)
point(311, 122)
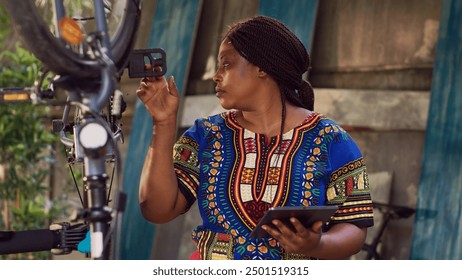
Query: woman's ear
point(261, 73)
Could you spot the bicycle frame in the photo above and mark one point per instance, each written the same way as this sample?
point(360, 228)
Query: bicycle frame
point(87, 149)
point(96, 214)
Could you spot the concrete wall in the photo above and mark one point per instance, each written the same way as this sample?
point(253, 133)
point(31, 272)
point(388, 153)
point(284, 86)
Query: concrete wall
point(381, 54)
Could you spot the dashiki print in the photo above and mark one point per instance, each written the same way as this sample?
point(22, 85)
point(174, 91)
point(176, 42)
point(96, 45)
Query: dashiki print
point(236, 175)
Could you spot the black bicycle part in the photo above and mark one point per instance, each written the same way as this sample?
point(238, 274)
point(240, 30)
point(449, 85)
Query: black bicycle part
point(390, 212)
point(54, 53)
point(63, 239)
point(157, 65)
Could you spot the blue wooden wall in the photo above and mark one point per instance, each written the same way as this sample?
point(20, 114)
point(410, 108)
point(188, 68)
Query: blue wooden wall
point(438, 225)
point(298, 15)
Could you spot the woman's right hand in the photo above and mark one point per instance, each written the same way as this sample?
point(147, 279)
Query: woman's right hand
point(160, 198)
point(160, 97)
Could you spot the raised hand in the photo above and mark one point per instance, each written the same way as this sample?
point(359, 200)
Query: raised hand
point(160, 97)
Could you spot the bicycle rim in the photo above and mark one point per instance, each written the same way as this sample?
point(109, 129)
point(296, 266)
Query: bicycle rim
point(32, 19)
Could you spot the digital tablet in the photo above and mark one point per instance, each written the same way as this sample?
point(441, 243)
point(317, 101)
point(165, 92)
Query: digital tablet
point(306, 215)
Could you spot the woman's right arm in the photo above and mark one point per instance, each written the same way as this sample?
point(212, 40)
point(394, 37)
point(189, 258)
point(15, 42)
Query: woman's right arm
point(160, 198)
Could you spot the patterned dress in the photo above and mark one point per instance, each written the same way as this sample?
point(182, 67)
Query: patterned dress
point(236, 175)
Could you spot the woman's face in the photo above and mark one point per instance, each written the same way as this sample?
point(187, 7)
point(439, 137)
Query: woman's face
point(236, 79)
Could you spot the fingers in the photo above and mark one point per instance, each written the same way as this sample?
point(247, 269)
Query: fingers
point(157, 69)
point(145, 83)
point(287, 238)
point(293, 236)
point(278, 229)
point(152, 80)
point(317, 227)
point(140, 92)
point(143, 88)
point(153, 85)
point(299, 228)
point(172, 86)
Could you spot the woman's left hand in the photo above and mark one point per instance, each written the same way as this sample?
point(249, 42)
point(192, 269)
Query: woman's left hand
point(300, 240)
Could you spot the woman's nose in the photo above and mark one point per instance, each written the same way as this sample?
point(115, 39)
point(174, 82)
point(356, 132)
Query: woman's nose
point(216, 77)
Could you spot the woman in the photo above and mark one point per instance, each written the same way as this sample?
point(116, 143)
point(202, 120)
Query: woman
point(269, 149)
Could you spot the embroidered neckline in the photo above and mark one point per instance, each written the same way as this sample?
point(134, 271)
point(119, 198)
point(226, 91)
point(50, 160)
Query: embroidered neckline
point(232, 115)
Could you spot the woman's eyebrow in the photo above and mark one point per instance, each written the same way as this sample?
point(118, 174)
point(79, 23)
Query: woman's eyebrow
point(223, 54)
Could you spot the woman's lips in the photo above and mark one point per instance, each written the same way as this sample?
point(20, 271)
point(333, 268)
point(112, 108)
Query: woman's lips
point(219, 91)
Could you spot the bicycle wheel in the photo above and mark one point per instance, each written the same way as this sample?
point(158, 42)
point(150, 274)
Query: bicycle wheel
point(32, 20)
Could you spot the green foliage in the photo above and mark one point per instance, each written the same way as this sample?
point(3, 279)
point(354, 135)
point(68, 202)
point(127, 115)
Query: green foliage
point(26, 151)
point(19, 68)
point(4, 26)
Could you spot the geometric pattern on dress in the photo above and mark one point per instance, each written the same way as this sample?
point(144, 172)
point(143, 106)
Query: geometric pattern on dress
point(244, 200)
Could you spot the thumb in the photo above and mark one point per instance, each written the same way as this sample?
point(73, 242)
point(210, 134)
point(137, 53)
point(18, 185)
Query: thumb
point(172, 86)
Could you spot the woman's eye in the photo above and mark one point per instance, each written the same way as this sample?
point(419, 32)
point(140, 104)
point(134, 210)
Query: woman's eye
point(223, 65)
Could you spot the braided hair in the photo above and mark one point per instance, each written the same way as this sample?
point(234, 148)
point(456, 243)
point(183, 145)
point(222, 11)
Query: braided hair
point(270, 45)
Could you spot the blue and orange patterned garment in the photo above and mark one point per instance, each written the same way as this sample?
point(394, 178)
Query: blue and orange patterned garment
point(236, 175)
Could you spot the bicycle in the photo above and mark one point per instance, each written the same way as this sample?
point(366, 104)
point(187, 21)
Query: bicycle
point(87, 67)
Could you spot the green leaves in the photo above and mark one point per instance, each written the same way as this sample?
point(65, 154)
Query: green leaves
point(26, 146)
point(4, 26)
point(19, 68)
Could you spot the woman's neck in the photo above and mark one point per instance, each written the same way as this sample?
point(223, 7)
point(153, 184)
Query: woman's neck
point(267, 120)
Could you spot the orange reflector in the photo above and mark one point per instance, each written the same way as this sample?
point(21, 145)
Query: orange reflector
point(70, 31)
point(16, 96)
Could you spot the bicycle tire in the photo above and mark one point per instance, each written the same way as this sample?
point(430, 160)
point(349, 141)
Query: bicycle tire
point(38, 38)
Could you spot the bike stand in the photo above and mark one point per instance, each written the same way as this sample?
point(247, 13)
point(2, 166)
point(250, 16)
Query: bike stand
point(390, 212)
